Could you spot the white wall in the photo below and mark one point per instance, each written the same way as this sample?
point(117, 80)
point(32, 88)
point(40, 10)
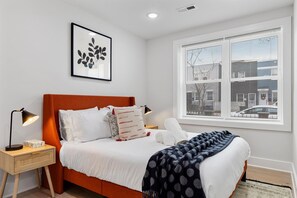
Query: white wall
point(269, 145)
point(35, 59)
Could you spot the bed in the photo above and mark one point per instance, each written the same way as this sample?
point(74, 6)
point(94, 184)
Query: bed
point(108, 185)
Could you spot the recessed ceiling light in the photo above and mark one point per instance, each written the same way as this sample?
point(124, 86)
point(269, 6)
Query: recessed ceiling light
point(92, 34)
point(152, 15)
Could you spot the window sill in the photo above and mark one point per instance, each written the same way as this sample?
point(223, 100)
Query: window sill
point(261, 124)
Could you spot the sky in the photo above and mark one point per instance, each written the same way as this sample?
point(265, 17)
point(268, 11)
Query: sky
point(261, 49)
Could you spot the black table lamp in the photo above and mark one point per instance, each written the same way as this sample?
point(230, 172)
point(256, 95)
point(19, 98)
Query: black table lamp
point(28, 118)
point(147, 110)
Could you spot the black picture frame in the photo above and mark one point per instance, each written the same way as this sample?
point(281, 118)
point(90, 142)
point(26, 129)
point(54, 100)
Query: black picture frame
point(91, 54)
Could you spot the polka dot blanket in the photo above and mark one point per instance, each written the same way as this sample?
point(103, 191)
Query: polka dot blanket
point(174, 172)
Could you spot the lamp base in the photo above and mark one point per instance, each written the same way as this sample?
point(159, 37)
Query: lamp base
point(14, 147)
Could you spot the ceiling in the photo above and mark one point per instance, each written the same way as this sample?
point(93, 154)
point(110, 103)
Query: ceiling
point(131, 14)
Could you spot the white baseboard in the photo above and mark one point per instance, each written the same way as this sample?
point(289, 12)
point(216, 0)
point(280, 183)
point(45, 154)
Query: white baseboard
point(271, 164)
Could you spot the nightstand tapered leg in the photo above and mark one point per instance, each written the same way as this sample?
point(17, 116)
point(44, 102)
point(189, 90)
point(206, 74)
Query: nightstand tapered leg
point(37, 177)
point(49, 180)
point(16, 185)
point(4, 179)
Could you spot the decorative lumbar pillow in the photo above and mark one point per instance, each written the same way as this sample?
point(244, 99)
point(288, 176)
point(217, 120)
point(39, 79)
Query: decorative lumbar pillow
point(130, 123)
point(112, 108)
point(85, 125)
point(112, 121)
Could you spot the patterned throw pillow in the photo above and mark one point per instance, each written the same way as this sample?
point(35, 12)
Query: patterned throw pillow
point(130, 123)
point(112, 120)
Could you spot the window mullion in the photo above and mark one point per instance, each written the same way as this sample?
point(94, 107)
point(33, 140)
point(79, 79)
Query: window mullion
point(276, 77)
point(225, 86)
point(280, 85)
point(203, 81)
point(183, 79)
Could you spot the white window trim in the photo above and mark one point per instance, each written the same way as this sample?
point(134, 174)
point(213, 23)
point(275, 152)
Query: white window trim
point(284, 85)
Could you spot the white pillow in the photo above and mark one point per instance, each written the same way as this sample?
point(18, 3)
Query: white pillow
point(65, 122)
point(84, 125)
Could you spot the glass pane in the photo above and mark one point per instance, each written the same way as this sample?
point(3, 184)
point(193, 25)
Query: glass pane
point(240, 97)
point(204, 63)
point(201, 101)
point(254, 99)
point(209, 95)
point(252, 58)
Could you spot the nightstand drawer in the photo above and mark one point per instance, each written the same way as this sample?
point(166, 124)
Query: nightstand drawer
point(34, 160)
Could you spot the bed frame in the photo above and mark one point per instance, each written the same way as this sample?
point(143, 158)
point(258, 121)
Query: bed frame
point(51, 104)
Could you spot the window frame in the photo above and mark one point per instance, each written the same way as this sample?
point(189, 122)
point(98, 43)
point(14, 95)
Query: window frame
point(284, 80)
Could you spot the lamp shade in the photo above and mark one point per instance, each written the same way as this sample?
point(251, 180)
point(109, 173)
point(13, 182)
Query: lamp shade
point(28, 118)
point(147, 110)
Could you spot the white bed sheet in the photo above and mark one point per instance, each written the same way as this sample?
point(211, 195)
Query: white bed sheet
point(124, 163)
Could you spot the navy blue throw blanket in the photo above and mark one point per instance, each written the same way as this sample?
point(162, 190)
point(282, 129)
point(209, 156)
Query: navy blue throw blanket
point(174, 172)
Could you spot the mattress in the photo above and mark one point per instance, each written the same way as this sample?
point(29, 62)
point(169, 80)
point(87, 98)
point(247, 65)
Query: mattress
point(124, 163)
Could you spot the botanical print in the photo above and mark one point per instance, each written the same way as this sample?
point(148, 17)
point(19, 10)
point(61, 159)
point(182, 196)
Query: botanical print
point(91, 54)
point(95, 53)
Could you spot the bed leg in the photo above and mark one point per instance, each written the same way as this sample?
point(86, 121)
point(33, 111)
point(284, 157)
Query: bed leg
point(244, 177)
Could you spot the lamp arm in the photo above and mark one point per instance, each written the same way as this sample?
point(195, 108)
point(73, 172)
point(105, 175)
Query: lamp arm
point(11, 118)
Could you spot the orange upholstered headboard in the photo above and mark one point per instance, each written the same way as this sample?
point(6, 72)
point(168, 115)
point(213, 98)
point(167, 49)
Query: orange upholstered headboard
point(51, 105)
point(53, 102)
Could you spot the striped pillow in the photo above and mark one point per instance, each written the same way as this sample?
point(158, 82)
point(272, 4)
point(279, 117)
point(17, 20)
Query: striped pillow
point(130, 123)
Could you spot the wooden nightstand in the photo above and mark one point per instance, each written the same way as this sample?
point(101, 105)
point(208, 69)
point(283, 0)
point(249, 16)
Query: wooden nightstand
point(26, 159)
point(151, 127)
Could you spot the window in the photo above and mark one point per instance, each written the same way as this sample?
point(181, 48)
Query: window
point(209, 95)
point(239, 97)
point(203, 73)
point(241, 74)
point(194, 96)
point(255, 56)
point(274, 97)
point(237, 79)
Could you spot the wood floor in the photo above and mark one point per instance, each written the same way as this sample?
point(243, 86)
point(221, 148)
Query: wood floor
point(269, 176)
point(255, 173)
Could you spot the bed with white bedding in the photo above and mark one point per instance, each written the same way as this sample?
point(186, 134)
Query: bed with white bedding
point(116, 169)
point(124, 162)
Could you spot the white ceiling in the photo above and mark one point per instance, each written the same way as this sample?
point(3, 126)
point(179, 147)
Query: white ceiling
point(131, 14)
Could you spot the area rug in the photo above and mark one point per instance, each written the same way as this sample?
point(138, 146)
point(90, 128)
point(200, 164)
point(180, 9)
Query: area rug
point(256, 189)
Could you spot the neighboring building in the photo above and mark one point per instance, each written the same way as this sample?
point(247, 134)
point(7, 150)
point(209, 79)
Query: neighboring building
point(246, 94)
point(205, 98)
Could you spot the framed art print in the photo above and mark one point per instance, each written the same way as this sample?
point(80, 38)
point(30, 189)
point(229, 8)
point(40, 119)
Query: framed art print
point(91, 53)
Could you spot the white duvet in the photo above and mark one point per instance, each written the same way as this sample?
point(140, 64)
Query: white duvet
point(124, 163)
